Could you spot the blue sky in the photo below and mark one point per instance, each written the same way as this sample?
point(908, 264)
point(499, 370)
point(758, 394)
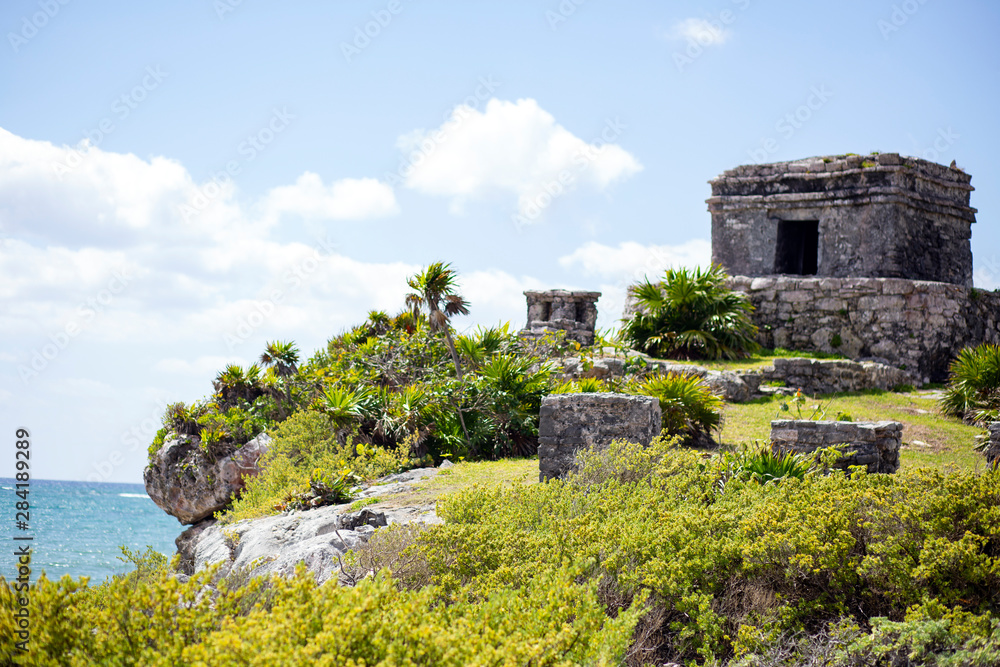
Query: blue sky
point(182, 182)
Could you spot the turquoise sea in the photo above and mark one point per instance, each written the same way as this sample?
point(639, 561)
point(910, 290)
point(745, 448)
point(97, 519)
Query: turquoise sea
point(78, 527)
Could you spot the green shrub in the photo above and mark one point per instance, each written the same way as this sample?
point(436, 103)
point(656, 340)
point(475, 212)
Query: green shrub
point(973, 389)
point(770, 560)
point(691, 314)
point(307, 452)
point(552, 620)
point(582, 386)
point(689, 408)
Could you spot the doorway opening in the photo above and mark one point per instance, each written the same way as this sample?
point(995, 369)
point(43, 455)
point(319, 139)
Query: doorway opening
point(797, 250)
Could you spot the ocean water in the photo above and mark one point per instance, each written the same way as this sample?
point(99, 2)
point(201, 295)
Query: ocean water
point(78, 527)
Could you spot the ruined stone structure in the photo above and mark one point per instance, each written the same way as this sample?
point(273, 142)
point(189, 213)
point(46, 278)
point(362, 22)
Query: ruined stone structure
point(568, 423)
point(865, 256)
point(918, 326)
point(879, 216)
point(562, 310)
point(872, 444)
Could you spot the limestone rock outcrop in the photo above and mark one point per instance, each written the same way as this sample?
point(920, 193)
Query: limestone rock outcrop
point(185, 483)
point(317, 537)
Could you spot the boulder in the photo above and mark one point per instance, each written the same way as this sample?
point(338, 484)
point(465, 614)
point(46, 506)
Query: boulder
point(277, 544)
point(185, 484)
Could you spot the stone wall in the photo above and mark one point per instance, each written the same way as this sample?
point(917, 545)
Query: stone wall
point(828, 376)
point(872, 444)
point(562, 310)
point(570, 422)
point(873, 216)
point(917, 326)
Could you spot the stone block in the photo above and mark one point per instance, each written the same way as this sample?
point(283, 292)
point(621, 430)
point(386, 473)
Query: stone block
point(874, 445)
point(572, 422)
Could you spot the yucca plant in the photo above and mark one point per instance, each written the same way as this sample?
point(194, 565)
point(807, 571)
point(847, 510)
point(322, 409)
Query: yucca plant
point(689, 408)
point(691, 314)
point(973, 390)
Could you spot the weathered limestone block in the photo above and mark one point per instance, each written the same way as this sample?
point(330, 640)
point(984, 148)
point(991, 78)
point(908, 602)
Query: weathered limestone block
point(184, 483)
point(568, 423)
point(871, 444)
point(992, 451)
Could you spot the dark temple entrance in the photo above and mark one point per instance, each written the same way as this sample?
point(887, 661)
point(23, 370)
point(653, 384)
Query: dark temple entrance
point(797, 251)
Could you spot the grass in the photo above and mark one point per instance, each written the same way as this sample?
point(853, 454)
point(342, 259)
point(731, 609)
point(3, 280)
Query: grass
point(463, 475)
point(764, 358)
point(946, 442)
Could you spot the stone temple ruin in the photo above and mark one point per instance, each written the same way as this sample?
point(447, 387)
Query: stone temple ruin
point(866, 256)
point(562, 310)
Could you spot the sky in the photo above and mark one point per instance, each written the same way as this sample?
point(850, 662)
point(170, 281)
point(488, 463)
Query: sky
point(182, 182)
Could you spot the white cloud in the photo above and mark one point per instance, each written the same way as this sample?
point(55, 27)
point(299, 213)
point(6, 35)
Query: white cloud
point(346, 199)
point(513, 148)
point(699, 31)
point(631, 262)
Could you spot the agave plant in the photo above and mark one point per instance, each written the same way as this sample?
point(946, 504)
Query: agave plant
point(973, 390)
point(691, 315)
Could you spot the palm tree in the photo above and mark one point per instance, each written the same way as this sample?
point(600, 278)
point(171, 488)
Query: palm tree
point(436, 289)
point(283, 358)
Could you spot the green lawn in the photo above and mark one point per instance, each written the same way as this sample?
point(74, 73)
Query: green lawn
point(929, 438)
point(484, 473)
point(765, 358)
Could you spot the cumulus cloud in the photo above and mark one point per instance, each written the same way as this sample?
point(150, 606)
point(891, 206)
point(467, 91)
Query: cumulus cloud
point(346, 199)
point(699, 31)
point(99, 249)
point(628, 263)
point(512, 148)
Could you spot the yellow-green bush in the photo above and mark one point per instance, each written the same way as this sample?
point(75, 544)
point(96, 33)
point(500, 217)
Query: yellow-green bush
point(303, 443)
point(788, 555)
point(553, 621)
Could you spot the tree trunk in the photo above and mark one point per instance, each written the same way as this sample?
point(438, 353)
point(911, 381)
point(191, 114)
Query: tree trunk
point(458, 373)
